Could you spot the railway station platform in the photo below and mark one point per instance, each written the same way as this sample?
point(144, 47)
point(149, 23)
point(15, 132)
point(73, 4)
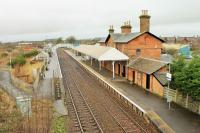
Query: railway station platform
point(178, 118)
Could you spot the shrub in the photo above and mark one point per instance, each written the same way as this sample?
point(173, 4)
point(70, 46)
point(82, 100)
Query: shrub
point(59, 125)
point(19, 60)
point(185, 76)
point(31, 54)
point(4, 55)
point(12, 63)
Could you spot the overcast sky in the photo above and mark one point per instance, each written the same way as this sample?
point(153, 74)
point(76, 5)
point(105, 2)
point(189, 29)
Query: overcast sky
point(40, 19)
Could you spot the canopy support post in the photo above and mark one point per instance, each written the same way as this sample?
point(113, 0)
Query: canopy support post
point(126, 69)
point(113, 66)
point(99, 65)
point(91, 61)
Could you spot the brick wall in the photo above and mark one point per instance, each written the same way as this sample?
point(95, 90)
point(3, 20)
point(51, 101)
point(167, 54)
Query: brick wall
point(140, 80)
point(111, 43)
point(156, 87)
point(149, 46)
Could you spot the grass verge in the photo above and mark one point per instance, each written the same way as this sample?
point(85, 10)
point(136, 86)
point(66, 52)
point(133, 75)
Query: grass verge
point(59, 125)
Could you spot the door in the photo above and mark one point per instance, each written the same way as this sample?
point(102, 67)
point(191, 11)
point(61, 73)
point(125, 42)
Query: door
point(133, 76)
point(124, 71)
point(148, 81)
point(119, 69)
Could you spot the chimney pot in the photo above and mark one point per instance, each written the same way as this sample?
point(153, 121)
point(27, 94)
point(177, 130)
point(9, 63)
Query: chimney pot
point(144, 21)
point(111, 29)
point(126, 27)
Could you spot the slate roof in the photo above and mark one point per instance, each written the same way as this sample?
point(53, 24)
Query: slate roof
point(166, 58)
point(126, 37)
point(122, 37)
point(161, 77)
point(146, 65)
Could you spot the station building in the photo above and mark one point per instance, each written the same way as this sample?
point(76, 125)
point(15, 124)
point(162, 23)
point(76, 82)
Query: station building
point(135, 56)
point(143, 48)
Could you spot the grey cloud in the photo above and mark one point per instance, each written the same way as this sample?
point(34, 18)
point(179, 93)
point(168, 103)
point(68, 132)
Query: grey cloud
point(34, 19)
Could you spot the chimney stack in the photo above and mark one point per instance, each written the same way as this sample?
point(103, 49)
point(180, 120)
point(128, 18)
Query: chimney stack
point(126, 28)
point(111, 29)
point(144, 21)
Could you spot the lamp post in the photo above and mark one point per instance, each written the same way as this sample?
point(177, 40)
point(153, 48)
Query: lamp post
point(169, 98)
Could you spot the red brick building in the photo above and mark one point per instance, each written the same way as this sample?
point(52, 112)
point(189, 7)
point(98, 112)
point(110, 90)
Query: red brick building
point(143, 48)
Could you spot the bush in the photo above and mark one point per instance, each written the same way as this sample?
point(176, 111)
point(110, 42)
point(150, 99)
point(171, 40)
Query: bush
point(4, 55)
point(19, 60)
point(12, 63)
point(186, 76)
point(31, 54)
point(59, 125)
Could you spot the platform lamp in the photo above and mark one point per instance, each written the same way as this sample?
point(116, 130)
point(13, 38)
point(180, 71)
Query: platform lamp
point(169, 78)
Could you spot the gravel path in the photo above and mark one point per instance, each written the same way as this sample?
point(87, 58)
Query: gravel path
point(6, 84)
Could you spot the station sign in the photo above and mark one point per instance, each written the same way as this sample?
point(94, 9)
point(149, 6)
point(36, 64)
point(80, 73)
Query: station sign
point(169, 76)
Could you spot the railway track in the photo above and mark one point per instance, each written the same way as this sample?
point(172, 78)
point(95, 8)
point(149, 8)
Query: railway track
point(82, 113)
point(75, 73)
point(124, 121)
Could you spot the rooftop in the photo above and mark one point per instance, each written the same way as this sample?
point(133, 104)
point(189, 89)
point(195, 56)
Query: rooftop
point(126, 37)
point(101, 53)
point(146, 65)
point(161, 77)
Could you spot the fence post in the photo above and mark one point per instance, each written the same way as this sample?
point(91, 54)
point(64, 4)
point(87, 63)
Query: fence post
point(186, 105)
point(176, 94)
point(199, 108)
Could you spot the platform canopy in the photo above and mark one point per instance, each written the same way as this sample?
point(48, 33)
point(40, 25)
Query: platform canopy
point(101, 53)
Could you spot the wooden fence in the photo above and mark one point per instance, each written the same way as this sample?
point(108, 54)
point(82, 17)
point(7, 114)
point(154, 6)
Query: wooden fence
point(182, 100)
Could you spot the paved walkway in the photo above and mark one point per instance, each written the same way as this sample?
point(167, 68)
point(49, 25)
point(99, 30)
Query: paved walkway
point(45, 85)
point(45, 89)
point(60, 108)
point(178, 118)
point(54, 66)
point(9, 88)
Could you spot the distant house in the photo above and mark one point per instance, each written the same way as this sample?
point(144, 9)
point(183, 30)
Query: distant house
point(185, 51)
point(42, 56)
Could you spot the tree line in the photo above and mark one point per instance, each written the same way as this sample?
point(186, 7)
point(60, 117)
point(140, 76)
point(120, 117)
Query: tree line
point(74, 40)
